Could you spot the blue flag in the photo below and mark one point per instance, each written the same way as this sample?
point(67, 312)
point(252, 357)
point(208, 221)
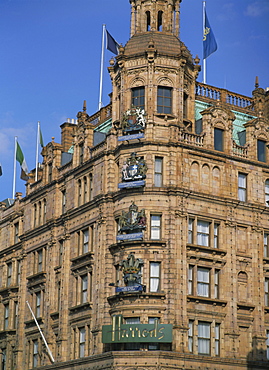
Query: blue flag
point(111, 44)
point(209, 41)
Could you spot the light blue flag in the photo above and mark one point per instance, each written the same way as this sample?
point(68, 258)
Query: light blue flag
point(209, 41)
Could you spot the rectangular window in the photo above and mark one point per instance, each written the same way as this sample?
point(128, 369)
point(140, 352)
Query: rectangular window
point(155, 227)
point(164, 100)
point(267, 344)
point(82, 342)
point(85, 247)
point(266, 245)
point(138, 97)
point(266, 292)
point(216, 284)
point(266, 191)
point(35, 353)
point(158, 172)
point(190, 280)
point(61, 250)
point(218, 139)
point(190, 231)
point(84, 288)
point(216, 235)
point(4, 359)
point(242, 187)
point(18, 278)
point(155, 271)
point(9, 273)
point(217, 339)
point(203, 338)
point(190, 341)
point(6, 316)
point(15, 317)
point(203, 233)
point(38, 304)
point(40, 260)
point(261, 150)
point(203, 282)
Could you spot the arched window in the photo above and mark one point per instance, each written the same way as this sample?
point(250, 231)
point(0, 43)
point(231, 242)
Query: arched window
point(160, 21)
point(148, 21)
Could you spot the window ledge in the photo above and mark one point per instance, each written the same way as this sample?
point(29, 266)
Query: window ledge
point(201, 248)
point(206, 300)
point(167, 116)
point(80, 307)
point(82, 260)
point(245, 306)
point(151, 298)
point(10, 289)
point(266, 308)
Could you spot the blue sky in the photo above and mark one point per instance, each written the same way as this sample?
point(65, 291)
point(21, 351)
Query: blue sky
point(50, 61)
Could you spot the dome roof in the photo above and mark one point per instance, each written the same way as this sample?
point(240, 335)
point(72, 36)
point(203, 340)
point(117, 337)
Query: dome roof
point(166, 44)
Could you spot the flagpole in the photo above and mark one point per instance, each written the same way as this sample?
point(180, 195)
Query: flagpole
point(36, 155)
point(40, 331)
point(14, 169)
point(102, 68)
point(204, 59)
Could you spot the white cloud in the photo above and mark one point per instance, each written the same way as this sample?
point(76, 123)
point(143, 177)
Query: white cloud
point(227, 13)
point(257, 8)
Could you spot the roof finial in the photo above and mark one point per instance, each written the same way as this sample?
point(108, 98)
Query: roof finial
point(84, 106)
point(257, 82)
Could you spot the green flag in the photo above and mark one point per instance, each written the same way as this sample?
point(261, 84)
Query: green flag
point(20, 158)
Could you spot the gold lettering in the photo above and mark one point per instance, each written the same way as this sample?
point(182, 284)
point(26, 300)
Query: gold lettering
point(124, 333)
point(113, 328)
point(206, 32)
point(161, 332)
point(133, 332)
point(145, 333)
point(138, 331)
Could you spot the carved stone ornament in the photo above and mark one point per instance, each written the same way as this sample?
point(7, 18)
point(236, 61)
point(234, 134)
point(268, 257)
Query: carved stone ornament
point(133, 120)
point(131, 270)
point(134, 168)
point(133, 220)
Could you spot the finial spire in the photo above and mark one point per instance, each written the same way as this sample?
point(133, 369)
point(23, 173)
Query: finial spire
point(257, 82)
point(84, 106)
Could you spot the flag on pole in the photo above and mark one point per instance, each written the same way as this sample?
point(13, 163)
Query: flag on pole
point(41, 142)
point(209, 41)
point(111, 44)
point(20, 158)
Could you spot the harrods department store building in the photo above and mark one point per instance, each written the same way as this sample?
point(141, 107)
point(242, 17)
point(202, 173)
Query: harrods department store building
point(144, 243)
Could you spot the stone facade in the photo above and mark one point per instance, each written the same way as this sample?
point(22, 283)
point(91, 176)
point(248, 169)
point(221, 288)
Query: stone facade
point(196, 220)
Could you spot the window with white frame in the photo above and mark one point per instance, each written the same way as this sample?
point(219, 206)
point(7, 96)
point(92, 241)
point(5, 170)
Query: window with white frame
point(35, 353)
point(190, 336)
point(82, 341)
point(84, 288)
point(9, 273)
point(155, 276)
point(15, 315)
point(204, 233)
point(242, 187)
point(266, 245)
point(85, 240)
point(203, 338)
point(164, 100)
point(38, 304)
point(203, 281)
point(261, 150)
point(63, 201)
point(266, 191)
point(217, 339)
point(158, 171)
point(6, 316)
point(155, 227)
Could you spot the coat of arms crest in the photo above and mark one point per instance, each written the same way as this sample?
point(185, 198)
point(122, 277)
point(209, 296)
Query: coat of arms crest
point(134, 168)
point(133, 220)
point(133, 120)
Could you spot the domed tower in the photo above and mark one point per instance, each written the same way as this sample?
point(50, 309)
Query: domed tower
point(155, 70)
